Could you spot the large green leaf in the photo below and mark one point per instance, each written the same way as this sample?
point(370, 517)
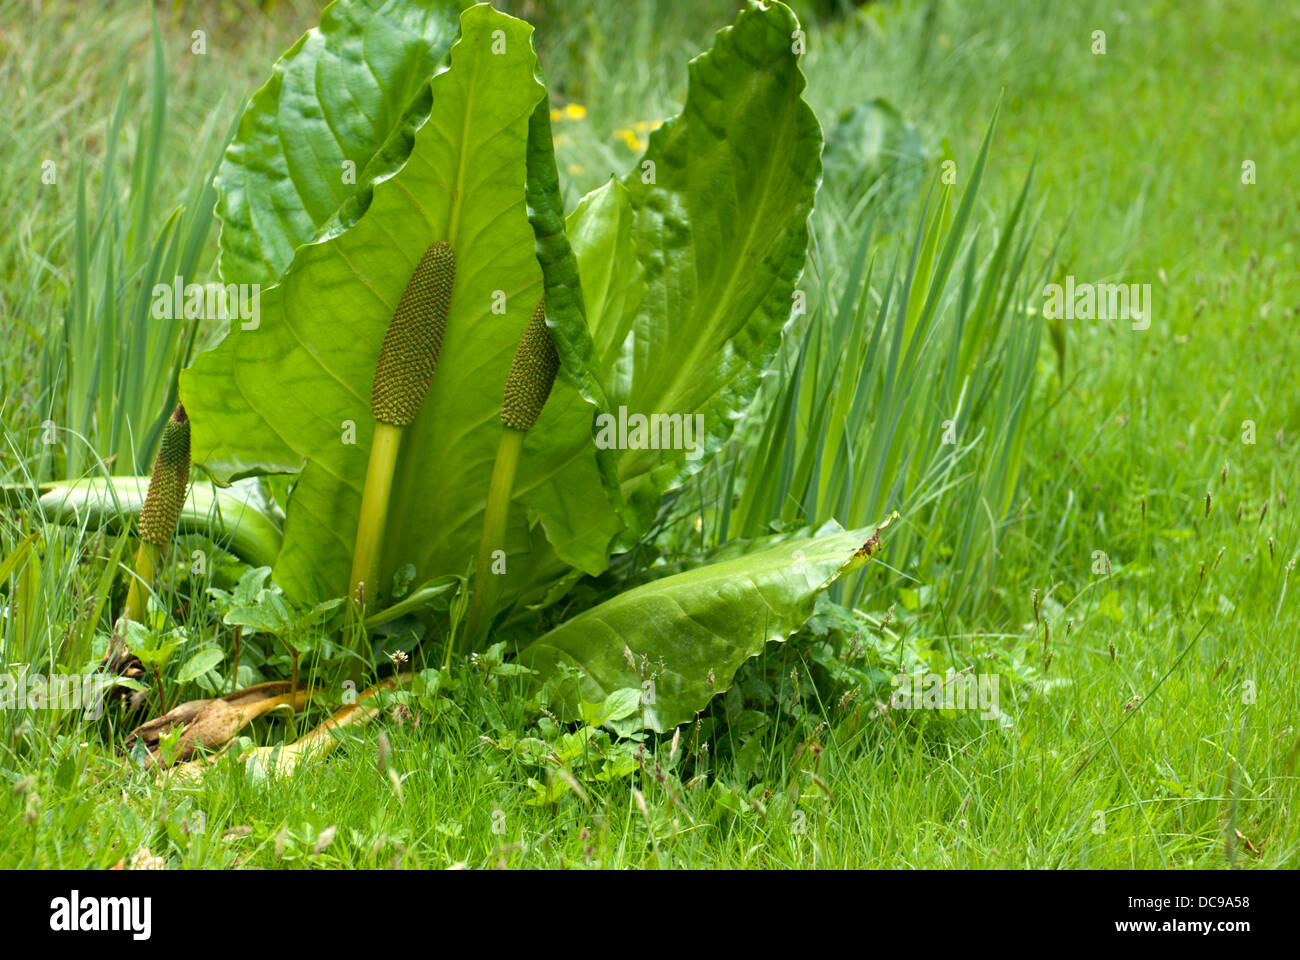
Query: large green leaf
point(612, 284)
point(238, 517)
point(565, 298)
point(719, 208)
point(336, 116)
point(280, 398)
point(681, 639)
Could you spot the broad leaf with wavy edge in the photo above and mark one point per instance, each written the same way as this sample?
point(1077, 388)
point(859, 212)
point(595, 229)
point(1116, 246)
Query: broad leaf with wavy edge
point(278, 398)
point(720, 235)
point(351, 90)
point(693, 629)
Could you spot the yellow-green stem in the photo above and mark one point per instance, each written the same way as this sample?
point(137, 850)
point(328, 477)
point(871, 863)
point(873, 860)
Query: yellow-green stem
point(148, 558)
point(363, 588)
point(486, 583)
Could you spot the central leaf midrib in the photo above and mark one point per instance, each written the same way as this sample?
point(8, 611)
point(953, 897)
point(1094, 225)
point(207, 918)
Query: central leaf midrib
point(454, 205)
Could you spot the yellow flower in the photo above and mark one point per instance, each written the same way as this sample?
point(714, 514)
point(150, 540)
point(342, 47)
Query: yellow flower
point(642, 126)
point(576, 169)
point(555, 115)
point(561, 140)
point(629, 137)
point(575, 111)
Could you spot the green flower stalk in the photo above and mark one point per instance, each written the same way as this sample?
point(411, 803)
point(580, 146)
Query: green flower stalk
point(403, 373)
point(162, 508)
point(532, 374)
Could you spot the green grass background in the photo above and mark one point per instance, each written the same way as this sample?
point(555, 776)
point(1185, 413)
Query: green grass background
point(1162, 732)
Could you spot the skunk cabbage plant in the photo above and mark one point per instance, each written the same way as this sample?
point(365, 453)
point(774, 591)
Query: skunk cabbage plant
point(655, 305)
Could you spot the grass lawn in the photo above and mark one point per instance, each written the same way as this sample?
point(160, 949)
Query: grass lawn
point(1134, 600)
